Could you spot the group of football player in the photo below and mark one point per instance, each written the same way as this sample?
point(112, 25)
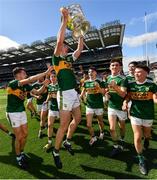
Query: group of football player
point(126, 97)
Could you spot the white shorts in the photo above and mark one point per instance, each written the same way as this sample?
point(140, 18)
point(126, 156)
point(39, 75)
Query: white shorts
point(98, 112)
point(16, 119)
point(30, 100)
point(122, 115)
point(53, 113)
point(42, 107)
point(141, 122)
point(68, 100)
point(129, 105)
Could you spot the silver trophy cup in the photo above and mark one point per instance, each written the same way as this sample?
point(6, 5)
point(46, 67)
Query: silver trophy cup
point(77, 22)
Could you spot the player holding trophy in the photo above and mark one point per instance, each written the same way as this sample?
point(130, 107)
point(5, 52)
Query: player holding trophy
point(67, 97)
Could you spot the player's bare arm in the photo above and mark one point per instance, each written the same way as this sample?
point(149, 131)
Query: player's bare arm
point(79, 49)
point(35, 77)
point(61, 33)
point(42, 89)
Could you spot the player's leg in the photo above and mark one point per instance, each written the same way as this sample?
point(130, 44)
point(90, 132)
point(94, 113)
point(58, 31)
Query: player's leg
point(147, 128)
point(99, 113)
point(121, 124)
point(112, 123)
point(51, 119)
point(93, 138)
point(65, 117)
point(18, 134)
point(76, 114)
point(122, 116)
point(64, 123)
point(112, 117)
point(31, 107)
point(138, 134)
point(43, 119)
point(24, 131)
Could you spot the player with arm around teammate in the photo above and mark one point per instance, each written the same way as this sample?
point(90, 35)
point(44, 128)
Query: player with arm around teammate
point(16, 93)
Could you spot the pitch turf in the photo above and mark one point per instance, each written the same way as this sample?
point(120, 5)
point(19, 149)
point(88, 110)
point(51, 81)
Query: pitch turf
point(87, 163)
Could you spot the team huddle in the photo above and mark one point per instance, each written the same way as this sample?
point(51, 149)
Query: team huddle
point(56, 90)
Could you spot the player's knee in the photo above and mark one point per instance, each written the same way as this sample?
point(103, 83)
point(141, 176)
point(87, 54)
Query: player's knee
point(137, 139)
point(100, 122)
point(89, 125)
point(25, 134)
point(63, 127)
point(19, 137)
point(50, 125)
point(76, 121)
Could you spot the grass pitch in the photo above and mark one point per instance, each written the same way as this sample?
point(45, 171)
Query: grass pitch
point(86, 163)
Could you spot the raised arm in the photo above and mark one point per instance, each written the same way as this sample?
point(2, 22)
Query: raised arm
point(61, 33)
point(35, 77)
point(79, 49)
point(42, 89)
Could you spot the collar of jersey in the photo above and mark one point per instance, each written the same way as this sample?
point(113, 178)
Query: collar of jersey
point(142, 82)
point(115, 76)
point(92, 79)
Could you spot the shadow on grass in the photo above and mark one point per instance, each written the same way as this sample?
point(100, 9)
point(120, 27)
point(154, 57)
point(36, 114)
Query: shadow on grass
point(37, 169)
point(100, 148)
point(151, 155)
point(117, 175)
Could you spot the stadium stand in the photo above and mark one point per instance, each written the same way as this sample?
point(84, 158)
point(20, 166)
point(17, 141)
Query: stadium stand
point(101, 45)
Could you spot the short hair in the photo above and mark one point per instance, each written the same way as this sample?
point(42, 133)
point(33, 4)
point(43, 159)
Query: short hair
point(135, 63)
point(144, 67)
point(116, 60)
point(18, 70)
point(53, 72)
point(93, 69)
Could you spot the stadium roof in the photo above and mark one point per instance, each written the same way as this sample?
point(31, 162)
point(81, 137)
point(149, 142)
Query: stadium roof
point(109, 34)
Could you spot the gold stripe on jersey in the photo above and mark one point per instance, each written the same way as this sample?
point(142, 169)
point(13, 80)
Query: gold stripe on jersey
point(93, 90)
point(62, 65)
point(19, 93)
point(141, 95)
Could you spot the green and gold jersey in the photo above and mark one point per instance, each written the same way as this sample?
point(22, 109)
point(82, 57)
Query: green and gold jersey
point(43, 98)
point(65, 75)
point(94, 97)
point(52, 91)
point(115, 100)
point(141, 96)
point(16, 95)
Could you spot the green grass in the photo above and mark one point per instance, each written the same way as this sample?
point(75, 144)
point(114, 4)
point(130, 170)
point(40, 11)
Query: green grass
point(87, 162)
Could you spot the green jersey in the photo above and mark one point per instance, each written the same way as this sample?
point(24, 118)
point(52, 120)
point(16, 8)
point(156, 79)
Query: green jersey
point(65, 75)
point(141, 96)
point(94, 97)
point(115, 100)
point(43, 95)
point(130, 78)
point(16, 95)
point(52, 91)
